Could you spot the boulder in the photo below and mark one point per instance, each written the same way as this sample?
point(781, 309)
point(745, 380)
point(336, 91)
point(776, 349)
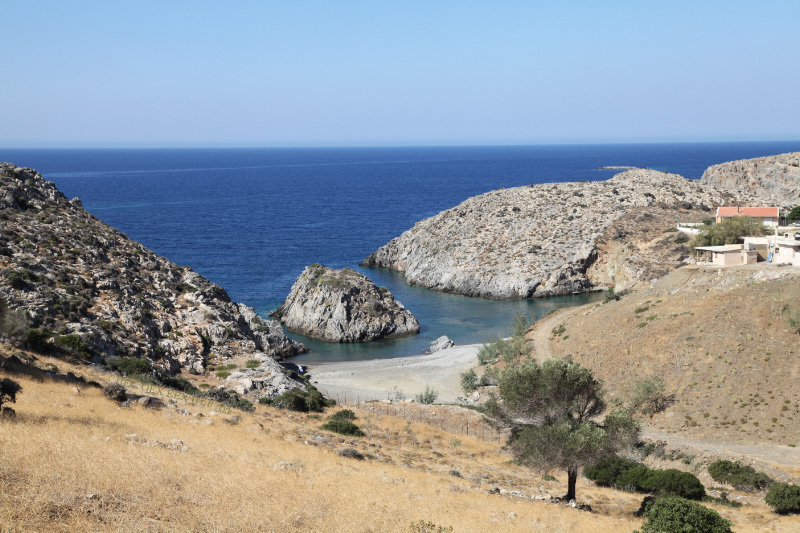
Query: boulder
point(343, 306)
point(442, 343)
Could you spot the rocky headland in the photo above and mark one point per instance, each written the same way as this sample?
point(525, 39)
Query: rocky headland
point(89, 290)
point(343, 306)
point(537, 240)
point(773, 180)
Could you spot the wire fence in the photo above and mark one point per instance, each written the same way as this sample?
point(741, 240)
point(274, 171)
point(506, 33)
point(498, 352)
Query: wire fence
point(451, 418)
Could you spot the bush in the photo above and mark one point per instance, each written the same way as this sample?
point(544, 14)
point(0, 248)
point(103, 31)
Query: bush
point(222, 374)
point(344, 414)
point(739, 476)
point(648, 396)
point(344, 427)
point(729, 231)
point(129, 366)
point(352, 453)
point(632, 476)
point(677, 514)
point(37, 340)
point(252, 363)
point(229, 398)
point(674, 482)
point(12, 324)
point(606, 471)
point(116, 392)
point(428, 396)
point(72, 343)
point(300, 400)
point(784, 498)
point(8, 394)
point(469, 381)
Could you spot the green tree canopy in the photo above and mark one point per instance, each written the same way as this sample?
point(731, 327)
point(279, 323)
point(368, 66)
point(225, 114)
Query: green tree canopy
point(794, 214)
point(729, 231)
point(552, 411)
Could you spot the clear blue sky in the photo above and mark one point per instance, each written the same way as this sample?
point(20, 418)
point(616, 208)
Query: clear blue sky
point(334, 73)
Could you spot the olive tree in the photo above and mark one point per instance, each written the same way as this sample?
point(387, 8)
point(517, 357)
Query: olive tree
point(552, 411)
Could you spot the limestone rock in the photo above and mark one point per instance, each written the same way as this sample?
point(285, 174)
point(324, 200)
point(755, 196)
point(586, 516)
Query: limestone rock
point(530, 241)
point(773, 181)
point(71, 272)
point(442, 343)
point(343, 306)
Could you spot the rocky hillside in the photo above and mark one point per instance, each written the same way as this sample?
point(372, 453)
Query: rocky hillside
point(343, 306)
point(532, 241)
point(774, 179)
point(87, 288)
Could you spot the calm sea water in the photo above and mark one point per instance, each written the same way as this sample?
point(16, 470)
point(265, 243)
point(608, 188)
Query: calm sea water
point(252, 219)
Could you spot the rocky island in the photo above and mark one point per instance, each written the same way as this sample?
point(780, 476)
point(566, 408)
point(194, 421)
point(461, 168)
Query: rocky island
point(85, 288)
point(343, 306)
point(533, 241)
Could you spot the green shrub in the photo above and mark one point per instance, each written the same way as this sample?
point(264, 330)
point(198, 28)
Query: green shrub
point(427, 397)
point(632, 476)
point(129, 366)
point(222, 374)
point(37, 340)
point(8, 394)
point(344, 414)
point(469, 381)
point(739, 476)
point(784, 498)
point(252, 363)
point(648, 396)
point(677, 514)
point(344, 427)
point(300, 400)
point(115, 392)
point(674, 482)
point(606, 471)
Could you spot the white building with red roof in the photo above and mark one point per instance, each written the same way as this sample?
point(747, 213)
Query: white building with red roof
point(768, 215)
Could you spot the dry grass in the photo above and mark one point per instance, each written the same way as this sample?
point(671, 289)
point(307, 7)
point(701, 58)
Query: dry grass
point(67, 464)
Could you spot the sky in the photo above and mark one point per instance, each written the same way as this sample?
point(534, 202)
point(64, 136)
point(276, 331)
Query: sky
point(173, 73)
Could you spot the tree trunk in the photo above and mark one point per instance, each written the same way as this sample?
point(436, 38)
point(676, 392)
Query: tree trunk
point(572, 478)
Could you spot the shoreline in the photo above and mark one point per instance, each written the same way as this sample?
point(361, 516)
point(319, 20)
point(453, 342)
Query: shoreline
point(376, 379)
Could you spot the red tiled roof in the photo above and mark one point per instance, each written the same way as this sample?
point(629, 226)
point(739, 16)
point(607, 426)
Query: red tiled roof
point(747, 211)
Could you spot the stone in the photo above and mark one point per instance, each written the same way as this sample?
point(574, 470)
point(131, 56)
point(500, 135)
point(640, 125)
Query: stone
point(772, 181)
point(343, 306)
point(442, 343)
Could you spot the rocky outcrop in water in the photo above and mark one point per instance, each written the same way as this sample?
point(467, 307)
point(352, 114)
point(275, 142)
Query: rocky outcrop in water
point(530, 241)
point(343, 306)
point(772, 181)
point(90, 290)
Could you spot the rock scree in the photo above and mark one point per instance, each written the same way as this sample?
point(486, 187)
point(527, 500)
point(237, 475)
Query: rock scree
point(343, 306)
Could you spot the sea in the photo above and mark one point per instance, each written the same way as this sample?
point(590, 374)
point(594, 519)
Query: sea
point(251, 219)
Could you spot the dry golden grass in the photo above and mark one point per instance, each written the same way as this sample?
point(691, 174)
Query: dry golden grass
point(67, 465)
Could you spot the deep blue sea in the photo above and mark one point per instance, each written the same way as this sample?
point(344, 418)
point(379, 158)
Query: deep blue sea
point(252, 219)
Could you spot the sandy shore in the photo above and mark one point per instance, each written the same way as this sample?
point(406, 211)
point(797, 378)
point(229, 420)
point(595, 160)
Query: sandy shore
point(375, 380)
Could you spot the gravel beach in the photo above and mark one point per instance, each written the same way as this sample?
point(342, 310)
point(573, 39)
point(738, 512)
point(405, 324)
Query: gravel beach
point(376, 379)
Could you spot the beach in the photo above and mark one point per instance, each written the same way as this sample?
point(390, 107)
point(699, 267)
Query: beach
point(377, 379)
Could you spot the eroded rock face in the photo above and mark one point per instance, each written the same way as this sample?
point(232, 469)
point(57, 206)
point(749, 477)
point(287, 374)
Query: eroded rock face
point(773, 180)
point(343, 306)
point(530, 241)
point(75, 275)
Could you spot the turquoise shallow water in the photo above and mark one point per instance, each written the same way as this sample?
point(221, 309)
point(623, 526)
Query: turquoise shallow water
point(465, 320)
point(252, 219)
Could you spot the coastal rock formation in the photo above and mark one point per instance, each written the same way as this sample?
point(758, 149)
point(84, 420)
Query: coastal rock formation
point(343, 306)
point(531, 241)
point(442, 343)
point(91, 290)
point(773, 180)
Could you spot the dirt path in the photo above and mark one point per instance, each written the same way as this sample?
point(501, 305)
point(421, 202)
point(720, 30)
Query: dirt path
point(543, 329)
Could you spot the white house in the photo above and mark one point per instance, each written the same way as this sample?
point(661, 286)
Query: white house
point(768, 215)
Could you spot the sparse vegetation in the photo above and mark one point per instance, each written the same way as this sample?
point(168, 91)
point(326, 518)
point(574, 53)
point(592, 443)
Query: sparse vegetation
point(469, 381)
point(729, 231)
point(648, 396)
point(129, 366)
point(300, 400)
point(428, 396)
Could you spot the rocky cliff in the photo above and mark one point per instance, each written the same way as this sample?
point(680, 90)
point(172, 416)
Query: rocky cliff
point(343, 306)
point(88, 288)
point(531, 241)
point(773, 180)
